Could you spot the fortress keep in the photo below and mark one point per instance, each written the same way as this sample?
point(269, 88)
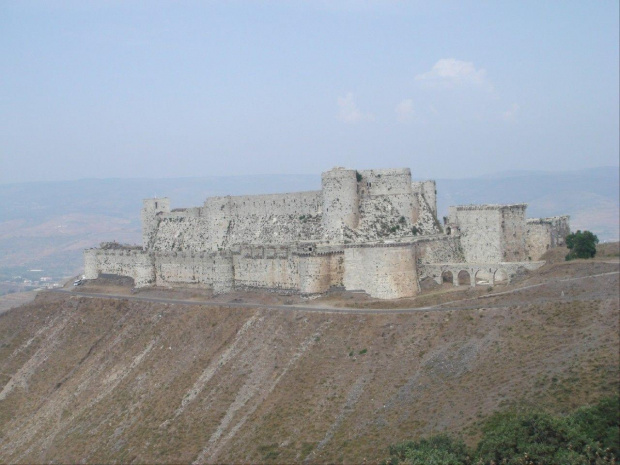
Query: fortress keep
point(374, 231)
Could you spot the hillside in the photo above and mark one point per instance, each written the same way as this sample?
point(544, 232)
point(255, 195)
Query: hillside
point(47, 225)
point(115, 379)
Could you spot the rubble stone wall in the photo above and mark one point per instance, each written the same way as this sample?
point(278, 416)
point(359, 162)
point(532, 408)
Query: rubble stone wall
point(136, 264)
point(439, 249)
point(543, 234)
point(428, 189)
point(394, 184)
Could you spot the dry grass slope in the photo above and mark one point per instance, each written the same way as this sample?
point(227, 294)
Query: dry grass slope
point(103, 380)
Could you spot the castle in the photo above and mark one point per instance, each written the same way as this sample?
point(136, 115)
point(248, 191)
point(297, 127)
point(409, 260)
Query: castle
point(373, 230)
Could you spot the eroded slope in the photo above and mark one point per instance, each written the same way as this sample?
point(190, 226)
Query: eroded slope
point(102, 380)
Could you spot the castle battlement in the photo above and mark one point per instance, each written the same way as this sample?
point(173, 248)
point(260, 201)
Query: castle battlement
point(514, 206)
point(371, 230)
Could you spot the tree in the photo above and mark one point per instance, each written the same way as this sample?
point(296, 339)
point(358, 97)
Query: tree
point(581, 245)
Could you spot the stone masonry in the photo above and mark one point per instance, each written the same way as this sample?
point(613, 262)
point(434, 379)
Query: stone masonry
point(374, 231)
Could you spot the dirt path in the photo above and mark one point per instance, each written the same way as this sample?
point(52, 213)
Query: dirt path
point(326, 309)
point(531, 286)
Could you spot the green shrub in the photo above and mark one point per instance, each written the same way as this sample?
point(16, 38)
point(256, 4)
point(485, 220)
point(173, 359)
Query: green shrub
point(600, 423)
point(438, 450)
point(508, 437)
point(589, 436)
point(581, 245)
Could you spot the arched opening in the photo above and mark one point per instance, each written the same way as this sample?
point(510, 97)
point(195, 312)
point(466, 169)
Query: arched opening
point(448, 230)
point(428, 283)
point(446, 277)
point(501, 277)
point(464, 278)
point(521, 272)
point(483, 277)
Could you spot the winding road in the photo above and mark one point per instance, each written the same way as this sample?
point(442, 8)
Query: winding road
point(323, 309)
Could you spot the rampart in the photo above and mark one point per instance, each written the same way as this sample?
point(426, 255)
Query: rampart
point(490, 233)
point(370, 230)
point(136, 264)
point(546, 233)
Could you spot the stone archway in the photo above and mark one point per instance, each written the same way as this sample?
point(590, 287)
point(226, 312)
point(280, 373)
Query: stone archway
point(447, 277)
point(483, 277)
point(464, 278)
point(501, 277)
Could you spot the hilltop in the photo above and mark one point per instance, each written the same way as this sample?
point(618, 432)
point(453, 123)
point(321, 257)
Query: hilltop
point(114, 379)
point(47, 225)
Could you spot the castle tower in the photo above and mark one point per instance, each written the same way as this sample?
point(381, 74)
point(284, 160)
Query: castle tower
point(429, 190)
point(340, 201)
point(150, 209)
point(491, 233)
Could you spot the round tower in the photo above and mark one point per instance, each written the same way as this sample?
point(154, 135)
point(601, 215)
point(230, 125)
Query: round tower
point(150, 209)
point(340, 201)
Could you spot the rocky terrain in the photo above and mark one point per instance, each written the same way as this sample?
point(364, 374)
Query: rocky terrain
point(105, 379)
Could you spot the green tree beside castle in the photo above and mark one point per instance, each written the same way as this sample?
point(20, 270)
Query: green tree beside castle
point(581, 245)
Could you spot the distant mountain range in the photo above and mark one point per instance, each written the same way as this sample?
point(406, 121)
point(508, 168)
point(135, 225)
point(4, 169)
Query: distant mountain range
point(47, 224)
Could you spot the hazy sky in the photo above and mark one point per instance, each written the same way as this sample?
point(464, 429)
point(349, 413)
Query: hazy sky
point(450, 89)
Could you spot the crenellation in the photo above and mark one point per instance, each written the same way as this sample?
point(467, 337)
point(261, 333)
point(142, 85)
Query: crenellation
point(371, 230)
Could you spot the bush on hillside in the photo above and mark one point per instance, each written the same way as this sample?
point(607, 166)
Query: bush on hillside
point(517, 438)
point(581, 245)
point(437, 450)
point(589, 436)
point(600, 423)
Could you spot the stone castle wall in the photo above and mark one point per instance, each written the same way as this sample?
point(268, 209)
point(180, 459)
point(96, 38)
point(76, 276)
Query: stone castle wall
point(382, 272)
point(265, 267)
point(513, 233)
point(151, 212)
point(213, 271)
point(364, 230)
point(340, 202)
point(427, 191)
point(543, 234)
point(480, 231)
point(223, 221)
point(136, 264)
point(439, 249)
point(394, 184)
point(490, 233)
